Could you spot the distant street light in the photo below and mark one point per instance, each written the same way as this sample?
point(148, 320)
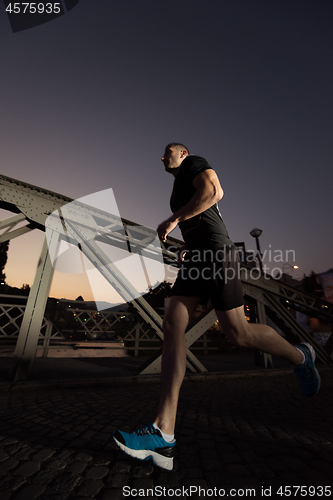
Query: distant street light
point(255, 233)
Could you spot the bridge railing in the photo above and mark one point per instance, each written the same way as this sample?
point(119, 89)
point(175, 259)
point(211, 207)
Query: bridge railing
point(70, 324)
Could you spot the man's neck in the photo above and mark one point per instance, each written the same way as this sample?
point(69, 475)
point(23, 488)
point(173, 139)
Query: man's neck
point(175, 171)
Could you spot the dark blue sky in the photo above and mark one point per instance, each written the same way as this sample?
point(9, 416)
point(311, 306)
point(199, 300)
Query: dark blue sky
point(88, 102)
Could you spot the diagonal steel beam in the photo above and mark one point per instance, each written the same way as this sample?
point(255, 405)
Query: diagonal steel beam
point(26, 346)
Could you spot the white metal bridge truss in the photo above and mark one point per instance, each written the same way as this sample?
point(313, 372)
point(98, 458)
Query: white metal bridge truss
point(33, 205)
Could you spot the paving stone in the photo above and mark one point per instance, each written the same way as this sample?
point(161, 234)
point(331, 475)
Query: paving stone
point(321, 466)
point(142, 485)
point(56, 443)
point(65, 482)
point(276, 464)
point(6, 495)
point(209, 465)
point(188, 460)
point(24, 453)
point(45, 477)
point(76, 467)
point(261, 470)
point(248, 456)
point(11, 483)
point(291, 479)
point(118, 480)
point(8, 464)
point(113, 494)
point(215, 477)
point(96, 472)
point(304, 440)
point(230, 458)
point(208, 454)
point(55, 434)
point(85, 498)
point(293, 463)
point(102, 460)
point(142, 471)
point(8, 440)
point(69, 436)
point(15, 447)
point(27, 469)
point(55, 496)
point(29, 492)
point(66, 427)
point(88, 434)
point(84, 457)
point(195, 482)
point(315, 478)
point(237, 470)
point(190, 472)
point(241, 445)
point(56, 464)
point(3, 456)
point(263, 451)
point(90, 487)
point(63, 454)
point(42, 455)
point(280, 435)
point(79, 443)
point(304, 454)
point(120, 467)
point(272, 484)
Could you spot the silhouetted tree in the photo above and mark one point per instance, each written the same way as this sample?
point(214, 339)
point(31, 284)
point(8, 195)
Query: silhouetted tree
point(3, 260)
point(311, 284)
point(25, 289)
point(155, 297)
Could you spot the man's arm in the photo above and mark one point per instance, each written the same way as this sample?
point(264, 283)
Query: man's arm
point(208, 192)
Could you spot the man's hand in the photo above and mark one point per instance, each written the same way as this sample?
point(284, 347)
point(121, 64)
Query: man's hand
point(165, 228)
point(181, 254)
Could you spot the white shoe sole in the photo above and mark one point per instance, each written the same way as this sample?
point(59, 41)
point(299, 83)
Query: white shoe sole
point(159, 460)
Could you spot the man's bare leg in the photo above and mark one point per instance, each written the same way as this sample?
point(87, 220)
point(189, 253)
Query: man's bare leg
point(261, 337)
point(147, 442)
point(179, 312)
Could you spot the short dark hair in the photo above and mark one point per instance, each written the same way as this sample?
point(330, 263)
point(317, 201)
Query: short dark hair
point(178, 145)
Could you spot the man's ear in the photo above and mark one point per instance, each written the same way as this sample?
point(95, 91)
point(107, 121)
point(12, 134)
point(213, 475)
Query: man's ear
point(183, 153)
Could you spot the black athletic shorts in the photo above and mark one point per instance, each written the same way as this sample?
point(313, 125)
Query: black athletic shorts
point(211, 274)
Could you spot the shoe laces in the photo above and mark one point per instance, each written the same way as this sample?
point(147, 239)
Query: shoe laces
point(147, 429)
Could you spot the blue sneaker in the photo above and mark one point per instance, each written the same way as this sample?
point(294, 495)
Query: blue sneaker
point(147, 443)
point(307, 372)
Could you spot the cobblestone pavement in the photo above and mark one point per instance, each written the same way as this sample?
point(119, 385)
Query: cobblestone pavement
point(252, 436)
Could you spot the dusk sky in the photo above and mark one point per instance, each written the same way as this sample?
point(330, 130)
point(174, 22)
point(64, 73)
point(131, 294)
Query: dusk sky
point(89, 101)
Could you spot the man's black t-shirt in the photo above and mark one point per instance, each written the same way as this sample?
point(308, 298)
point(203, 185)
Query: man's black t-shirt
point(206, 230)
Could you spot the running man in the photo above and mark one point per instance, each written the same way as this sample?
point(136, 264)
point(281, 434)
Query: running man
point(208, 260)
